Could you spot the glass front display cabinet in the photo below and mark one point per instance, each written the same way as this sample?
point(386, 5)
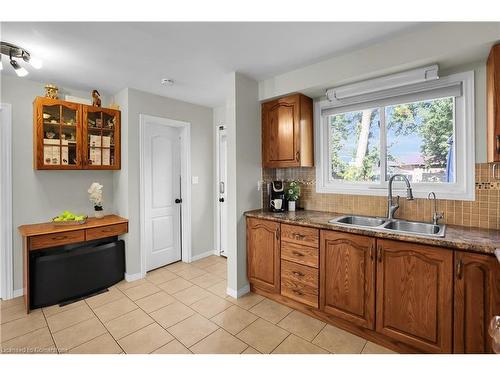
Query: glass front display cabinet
point(75, 136)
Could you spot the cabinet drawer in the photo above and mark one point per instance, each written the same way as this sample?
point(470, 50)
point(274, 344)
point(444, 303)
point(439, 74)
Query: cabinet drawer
point(107, 231)
point(308, 256)
point(299, 292)
point(56, 239)
point(300, 235)
point(299, 273)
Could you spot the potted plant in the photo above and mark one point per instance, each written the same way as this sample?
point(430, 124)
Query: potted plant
point(292, 194)
point(95, 196)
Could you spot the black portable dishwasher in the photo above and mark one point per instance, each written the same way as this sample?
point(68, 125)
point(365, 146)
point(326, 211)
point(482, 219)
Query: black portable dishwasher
point(73, 271)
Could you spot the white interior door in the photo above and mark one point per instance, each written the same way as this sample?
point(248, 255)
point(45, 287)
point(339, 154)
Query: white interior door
point(222, 191)
point(162, 193)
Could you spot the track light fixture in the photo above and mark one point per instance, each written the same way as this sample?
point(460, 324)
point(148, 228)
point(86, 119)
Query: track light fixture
point(15, 52)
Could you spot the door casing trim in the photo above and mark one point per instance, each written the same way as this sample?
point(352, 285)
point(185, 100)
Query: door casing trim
point(186, 251)
point(6, 261)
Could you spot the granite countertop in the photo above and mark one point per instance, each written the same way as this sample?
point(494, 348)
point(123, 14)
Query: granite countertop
point(463, 238)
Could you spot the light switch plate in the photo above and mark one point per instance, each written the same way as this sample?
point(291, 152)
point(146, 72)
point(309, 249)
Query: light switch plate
point(194, 180)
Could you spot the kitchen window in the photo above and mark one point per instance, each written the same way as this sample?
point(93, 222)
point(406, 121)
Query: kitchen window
point(424, 131)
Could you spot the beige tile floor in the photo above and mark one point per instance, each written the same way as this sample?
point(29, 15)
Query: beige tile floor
point(180, 308)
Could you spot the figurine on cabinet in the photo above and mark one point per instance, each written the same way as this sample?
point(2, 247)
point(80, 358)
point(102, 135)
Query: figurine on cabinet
point(51, 91)
point(96, 98)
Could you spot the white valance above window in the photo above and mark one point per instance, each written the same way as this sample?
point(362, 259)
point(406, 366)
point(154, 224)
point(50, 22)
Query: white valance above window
point(404, 87)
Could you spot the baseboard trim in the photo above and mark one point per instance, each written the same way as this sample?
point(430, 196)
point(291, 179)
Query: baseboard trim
point(133, 276)
point(238, 293)
point(17, 293)
point(204, 255)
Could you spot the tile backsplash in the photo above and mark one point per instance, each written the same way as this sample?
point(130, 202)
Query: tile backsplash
point(484, 212)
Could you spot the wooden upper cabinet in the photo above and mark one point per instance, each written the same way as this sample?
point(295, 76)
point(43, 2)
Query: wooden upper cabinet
point(70, 135)
point(493, 104)
point(414, 295)
point(477, 300)
point(347, 277)
point(287, 132)
point(57, 134)
point(263, 254)
point(101, 138)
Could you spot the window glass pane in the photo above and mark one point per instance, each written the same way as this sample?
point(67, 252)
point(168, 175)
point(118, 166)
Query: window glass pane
point(355, 145)
point(420, 140)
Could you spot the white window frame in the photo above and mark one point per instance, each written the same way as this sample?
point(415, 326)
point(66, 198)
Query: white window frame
point(464, 186)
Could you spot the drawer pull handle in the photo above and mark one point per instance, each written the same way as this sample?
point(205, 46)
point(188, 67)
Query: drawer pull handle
point(297, 253)
point(459, 269)
point(298, 292)
point(298, 236)
point(296, 273)
point(59, 238)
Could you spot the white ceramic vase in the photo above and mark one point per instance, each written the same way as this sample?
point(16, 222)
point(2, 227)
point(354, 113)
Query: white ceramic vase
point(291, 205)
point(99, 214)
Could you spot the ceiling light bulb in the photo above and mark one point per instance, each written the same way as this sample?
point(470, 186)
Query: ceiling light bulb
point(20, 71)
point(36, 63)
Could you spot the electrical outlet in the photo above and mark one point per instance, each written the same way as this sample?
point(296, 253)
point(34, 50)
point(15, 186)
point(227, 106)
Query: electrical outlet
point(195, 180)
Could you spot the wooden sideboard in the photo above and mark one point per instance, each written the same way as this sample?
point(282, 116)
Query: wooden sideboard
point(46, 235)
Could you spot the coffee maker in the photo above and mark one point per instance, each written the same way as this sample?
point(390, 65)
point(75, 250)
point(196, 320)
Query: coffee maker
point(277, 196)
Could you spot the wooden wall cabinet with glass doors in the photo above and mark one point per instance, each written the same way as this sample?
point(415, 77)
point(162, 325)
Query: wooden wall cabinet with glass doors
point(70, 135)
point(57, 134)
point(101, 138)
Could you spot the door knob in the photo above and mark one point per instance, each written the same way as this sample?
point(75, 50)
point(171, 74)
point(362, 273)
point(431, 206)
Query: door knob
point(178, 200)
point(221, 199)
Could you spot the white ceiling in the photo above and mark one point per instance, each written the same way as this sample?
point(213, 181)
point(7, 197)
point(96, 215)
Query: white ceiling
point(111, 56)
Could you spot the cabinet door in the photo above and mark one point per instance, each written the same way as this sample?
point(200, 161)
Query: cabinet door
point(57, 135)
point(263, 254)
point(493, 104)
point(101, 138)
point(347, 273)
point(280, 132)
point(414, 295)
point(477, 300)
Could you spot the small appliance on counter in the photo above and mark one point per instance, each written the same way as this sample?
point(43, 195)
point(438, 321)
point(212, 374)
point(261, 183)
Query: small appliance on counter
point(277, 200)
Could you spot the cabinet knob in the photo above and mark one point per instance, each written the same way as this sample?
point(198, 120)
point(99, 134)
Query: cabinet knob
point(297, 253)
point(297, 156)
point(379, 254)
point(459, 269)
point(498, 143)
point(297, 292)
point(296, 273)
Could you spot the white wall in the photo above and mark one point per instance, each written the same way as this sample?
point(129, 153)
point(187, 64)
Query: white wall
point(449, 44)
point(133, 103)
point(244, 169)
point(40, 195)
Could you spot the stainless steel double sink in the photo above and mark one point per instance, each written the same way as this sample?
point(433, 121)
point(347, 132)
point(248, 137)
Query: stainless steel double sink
point(392, 225)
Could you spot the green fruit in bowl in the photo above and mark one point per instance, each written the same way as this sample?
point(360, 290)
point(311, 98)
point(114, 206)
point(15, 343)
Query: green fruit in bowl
point(67, 216)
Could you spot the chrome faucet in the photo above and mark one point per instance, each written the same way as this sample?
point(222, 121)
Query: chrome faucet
point(436, 216)
point(391, 207)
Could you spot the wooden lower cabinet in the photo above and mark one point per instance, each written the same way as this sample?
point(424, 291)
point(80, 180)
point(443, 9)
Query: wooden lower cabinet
point(347, 269)
point(414, 295)
point(263, 254)
point(409, 297)
point(477, 300)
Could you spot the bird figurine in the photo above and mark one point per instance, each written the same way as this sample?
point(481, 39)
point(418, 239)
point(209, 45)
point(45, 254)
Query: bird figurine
point(96, 98)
